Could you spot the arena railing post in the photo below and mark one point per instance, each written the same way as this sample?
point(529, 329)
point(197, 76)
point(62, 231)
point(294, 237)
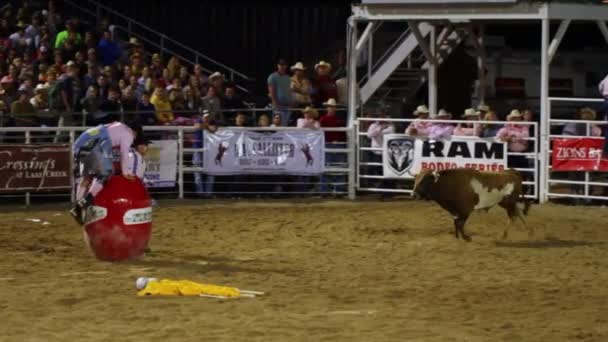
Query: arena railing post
point(350, 135)
point(72, 180)
point(27, 141)
point(180, 162)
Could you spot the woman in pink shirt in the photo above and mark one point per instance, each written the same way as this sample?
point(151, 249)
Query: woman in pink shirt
point(441, 130)
point(418, 127)
point(310, 119)
point(469, 129)
point(515, 135)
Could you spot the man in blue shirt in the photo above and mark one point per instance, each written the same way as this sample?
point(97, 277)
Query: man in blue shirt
point(108, 49)
point(279, 91)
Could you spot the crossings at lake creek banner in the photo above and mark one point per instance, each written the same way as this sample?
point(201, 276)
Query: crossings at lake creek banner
point(35, 167)
point(578, 154)
point(291, 152)
point(404, 156)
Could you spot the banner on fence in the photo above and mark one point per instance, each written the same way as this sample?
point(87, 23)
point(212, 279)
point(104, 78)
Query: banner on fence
point(578, 154)
point(404, 156)
point(35, 168)
point(293, 152)
point(161, 163)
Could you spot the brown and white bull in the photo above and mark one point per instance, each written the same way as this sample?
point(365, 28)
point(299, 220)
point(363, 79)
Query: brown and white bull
point(461, 191)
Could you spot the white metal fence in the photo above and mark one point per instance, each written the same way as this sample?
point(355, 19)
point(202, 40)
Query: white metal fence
point(353, 171)
point(373, 181)
point(575, 185)
point(337, 179)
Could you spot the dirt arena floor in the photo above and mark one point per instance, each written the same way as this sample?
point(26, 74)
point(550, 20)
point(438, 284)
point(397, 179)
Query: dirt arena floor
point(333, 271)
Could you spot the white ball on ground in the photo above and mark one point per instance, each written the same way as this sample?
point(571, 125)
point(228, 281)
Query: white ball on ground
point(141, 282)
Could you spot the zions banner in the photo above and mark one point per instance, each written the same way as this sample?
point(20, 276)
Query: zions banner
point(404, 156)
point(578, 154)
point(291, 152)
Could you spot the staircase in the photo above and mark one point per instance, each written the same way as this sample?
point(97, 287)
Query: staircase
point(124, 27)
point(399, 73)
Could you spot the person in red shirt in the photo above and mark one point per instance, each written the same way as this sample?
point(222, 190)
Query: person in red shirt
point(324, 86)
point(333, 183)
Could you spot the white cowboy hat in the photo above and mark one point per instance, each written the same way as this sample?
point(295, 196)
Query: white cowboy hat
point(322, 64)
point(470, 112)
point(330, 103)
point(215, 75)
point(483, 108)
point(421, 110)
point(298, 66)
point(514, 114)
point(443, 114)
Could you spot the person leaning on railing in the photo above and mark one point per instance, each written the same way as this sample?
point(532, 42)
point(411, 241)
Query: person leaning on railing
point(441, 129)
point(515, 135)
point(469, 129)
point(490, 130)
point(418, 127)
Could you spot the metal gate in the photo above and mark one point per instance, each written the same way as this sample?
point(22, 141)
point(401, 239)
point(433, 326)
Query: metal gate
point(370, 176)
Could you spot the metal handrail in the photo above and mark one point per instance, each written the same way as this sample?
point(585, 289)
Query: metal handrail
point(98, 6)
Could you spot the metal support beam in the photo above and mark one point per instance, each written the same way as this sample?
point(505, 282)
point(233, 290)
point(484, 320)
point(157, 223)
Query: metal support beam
point(352, 71)
point(443, 36)
point(602, 25)
point(544, 103)
point(364, 37)
point(559, 35)
point(396, 55)
point(370, 55)
point(433, 72)
point(424, 46)
point(481, 63)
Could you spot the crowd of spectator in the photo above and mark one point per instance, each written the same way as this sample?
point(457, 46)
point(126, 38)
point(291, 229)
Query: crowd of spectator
point(67, 72)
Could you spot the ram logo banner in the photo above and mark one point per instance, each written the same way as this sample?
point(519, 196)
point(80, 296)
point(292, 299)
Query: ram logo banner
point(400, 155)
point(404, 156)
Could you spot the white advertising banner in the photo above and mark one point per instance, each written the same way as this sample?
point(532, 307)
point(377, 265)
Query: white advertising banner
point(404, 156)
point(292, 152)
point(161, 163)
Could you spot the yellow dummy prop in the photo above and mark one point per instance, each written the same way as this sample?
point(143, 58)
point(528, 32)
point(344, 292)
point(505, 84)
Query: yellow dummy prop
point(168, 287)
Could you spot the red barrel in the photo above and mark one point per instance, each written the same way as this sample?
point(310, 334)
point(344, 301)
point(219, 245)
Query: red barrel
point(119, 223)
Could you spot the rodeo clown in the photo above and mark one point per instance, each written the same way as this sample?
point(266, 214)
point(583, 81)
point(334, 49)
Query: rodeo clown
point(92, 155)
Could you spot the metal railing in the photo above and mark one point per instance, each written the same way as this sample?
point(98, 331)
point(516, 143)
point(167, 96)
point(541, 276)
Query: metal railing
point(159, 40)
point(337, 175)
point(531, 181)
point(576, 185)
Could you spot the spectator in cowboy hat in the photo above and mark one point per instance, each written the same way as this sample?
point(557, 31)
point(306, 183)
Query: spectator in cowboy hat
point(324, 86)
point(300, 85)
point(279, 91)
point(418, 127)
point(441, 129)
point(217, 80)
point(482, 109)
point(310, 119)
point(333, 140)
point(515, 136)
point(469, 129)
